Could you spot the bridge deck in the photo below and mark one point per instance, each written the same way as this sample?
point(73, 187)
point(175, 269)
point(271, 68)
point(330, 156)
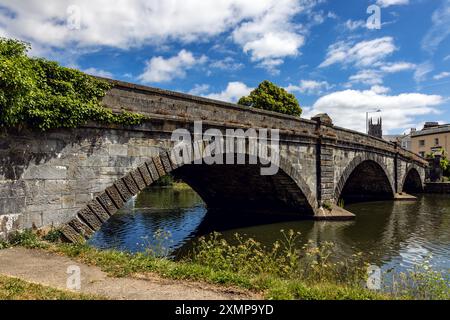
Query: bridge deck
point(162, 104)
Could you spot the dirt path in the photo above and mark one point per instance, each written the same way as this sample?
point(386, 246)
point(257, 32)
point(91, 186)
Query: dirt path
point(49, 269)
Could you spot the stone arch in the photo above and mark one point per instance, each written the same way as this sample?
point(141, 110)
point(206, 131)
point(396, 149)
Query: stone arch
point(355, 164)
point(91, 217)
point(412, 181)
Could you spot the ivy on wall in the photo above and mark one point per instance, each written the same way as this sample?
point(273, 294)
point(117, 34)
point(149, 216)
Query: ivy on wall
point(41, 94)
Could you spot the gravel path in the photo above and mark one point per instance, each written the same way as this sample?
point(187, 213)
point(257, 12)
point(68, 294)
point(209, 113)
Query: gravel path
point(42, 267)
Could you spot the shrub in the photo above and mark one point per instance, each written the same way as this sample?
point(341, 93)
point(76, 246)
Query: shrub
point(286, 259)
point(54, 235)
point(269, 96)
point(27, 239)
point(421, 283)
point(164, 181)
point(42, 94)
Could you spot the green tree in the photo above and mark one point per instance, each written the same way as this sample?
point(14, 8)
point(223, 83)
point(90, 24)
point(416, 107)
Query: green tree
point(445, 164)
point(269, 96)
point(42, 94)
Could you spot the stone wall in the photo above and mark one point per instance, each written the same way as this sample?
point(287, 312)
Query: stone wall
point(46, 178)
point(437, 187)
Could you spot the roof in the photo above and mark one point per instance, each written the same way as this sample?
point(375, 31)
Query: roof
point(391, 137)
point(435, 130)
point(395, 138)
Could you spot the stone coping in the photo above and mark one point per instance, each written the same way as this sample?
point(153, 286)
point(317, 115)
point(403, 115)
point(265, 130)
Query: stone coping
point(118, 84)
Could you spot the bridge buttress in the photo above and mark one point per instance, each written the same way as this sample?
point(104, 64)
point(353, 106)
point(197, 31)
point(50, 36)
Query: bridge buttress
point(325, 168)
point(397, 169)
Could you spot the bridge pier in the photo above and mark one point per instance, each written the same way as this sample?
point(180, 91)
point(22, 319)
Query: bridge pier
point(404, 197)
point(333, 213)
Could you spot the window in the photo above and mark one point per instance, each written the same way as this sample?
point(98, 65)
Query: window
point(421, 143)
point(436, 141)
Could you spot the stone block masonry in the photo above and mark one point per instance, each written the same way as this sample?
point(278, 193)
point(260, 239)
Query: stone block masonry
point(85, 175)
point(437, 187)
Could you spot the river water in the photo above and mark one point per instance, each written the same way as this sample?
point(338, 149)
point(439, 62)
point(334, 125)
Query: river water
point(398, 235)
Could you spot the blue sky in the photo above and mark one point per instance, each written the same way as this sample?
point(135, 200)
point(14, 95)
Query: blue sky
point(320, 50)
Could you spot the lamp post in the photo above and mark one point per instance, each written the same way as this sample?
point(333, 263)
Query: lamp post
point(367, 118)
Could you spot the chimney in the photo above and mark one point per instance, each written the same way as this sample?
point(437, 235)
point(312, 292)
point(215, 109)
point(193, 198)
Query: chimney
point(429, 125)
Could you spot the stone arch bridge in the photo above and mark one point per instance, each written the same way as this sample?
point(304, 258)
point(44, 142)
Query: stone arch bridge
point(78, 178)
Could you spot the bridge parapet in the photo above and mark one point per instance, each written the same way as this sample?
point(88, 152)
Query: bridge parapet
point(161, 104)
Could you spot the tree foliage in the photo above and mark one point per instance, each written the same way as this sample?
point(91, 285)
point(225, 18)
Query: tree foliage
point(444, 162)
point(42, 94)
point(269, 96)
point(445, 165)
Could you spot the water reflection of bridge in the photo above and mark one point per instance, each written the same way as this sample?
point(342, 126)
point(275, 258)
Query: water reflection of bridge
point(390, 229)
point(381, 229)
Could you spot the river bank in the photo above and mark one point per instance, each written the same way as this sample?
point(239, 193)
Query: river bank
point(399, 235)
point(404, 239)
point(12, 288)
point(437, 187)
point(43, 275)
point(278, 279)
point(120, 265)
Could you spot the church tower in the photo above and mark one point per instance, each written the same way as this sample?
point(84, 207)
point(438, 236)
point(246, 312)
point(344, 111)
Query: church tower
point(376, 130)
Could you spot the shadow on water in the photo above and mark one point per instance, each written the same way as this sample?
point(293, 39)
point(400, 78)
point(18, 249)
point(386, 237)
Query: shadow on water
point(132, 228)
point(395, 234)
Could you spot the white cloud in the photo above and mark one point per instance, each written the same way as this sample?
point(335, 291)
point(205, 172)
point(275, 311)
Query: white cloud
point(380, 89)
point(422, 70)
point(447, 58)
point(367, 56)
point(227, 64)
point(348, 108)
point(159, 69)
point(441, 75)
point(375, 76)
point(271, 65)
point(388, 3)
point(354, 24)
point(439, 30)
point(98, 72)
point(273, 36)
point(362, 54)
point(309, 87)
point(367, 76)
point(264, 29)
point(397, 67)
point(233, 92)
point(332, 15)
point(199, 89)
point(274, 45)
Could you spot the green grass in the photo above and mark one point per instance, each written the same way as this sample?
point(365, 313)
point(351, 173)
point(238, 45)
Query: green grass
point(120, 264)
point(17, 289)
point(281, 272)
point(247, 265)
